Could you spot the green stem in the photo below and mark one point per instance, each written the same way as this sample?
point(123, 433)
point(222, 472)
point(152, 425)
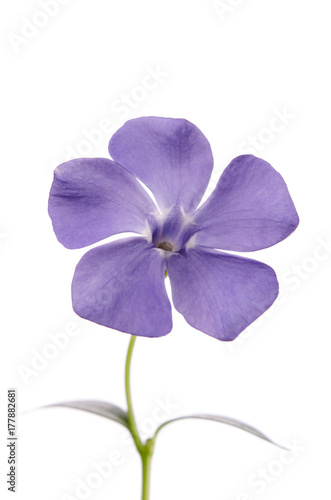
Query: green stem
point(145, 450)
point(132, 422)
point(146, 463)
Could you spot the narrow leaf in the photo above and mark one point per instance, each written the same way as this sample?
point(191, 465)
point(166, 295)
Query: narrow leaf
point(222, 420)
point(101, 408)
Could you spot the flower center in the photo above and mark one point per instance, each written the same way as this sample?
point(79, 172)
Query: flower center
point(172, 231)
point(165, 245)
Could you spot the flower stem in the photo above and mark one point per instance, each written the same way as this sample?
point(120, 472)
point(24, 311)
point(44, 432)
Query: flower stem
point(146, 463)
point(132, 422)
point(145, 450)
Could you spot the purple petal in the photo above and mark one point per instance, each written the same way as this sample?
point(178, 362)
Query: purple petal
point(171, 156)
point(121, 285)
point(218, 293)
point(250, 208)
point(94, 198)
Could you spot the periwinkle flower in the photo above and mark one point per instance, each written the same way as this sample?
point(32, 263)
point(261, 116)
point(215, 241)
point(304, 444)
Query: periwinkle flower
point(121, 284)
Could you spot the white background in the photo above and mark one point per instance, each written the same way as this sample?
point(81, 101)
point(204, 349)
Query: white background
point(230, 71)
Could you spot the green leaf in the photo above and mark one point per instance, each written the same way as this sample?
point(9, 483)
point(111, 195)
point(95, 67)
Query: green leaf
point(101, 408)
point(222, 420)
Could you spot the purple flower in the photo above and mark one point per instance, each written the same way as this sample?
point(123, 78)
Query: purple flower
point(121, 284)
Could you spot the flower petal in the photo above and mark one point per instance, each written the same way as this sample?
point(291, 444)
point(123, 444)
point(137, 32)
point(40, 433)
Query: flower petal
point(121, 285)
point(94, 198)
point(250, 208)
point(218, 293)
point(171, 156)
